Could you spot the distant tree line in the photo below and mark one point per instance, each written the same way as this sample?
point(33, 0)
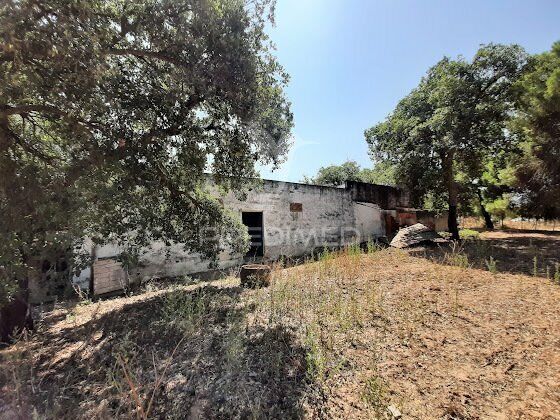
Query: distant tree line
point(335, 175)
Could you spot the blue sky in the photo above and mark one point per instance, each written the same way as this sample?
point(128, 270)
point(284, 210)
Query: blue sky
point(350, 61)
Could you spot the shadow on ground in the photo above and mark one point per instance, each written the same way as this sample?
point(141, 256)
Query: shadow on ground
point(198, 353)
point(515, 252)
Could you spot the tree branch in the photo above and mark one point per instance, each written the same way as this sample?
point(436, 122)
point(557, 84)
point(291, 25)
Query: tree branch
point(176, 192)
point(22, 110)
point(26, 109)
point(27, 147)
point(493, 80)
point(146, 53)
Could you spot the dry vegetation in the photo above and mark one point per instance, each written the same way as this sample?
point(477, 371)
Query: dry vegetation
point(530, 225)
point(346, 336)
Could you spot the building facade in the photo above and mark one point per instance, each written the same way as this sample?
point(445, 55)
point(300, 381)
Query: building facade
point(284, 219)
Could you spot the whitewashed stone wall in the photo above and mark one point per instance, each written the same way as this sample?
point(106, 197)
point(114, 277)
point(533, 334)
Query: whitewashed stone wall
point(369, 221)
point(328, 217)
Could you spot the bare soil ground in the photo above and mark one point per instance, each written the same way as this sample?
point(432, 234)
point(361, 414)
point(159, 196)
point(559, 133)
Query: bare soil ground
point(535, 253)
point(430, 333)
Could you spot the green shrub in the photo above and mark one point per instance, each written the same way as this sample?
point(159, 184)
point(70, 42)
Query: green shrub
point(375, 395)
point(373, 247)
point(185, 310)
point(469, 234)
point(491, 264)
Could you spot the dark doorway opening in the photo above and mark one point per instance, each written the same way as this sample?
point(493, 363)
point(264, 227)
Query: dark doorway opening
point(254, 222)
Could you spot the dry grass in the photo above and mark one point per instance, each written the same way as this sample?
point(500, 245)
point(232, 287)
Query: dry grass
point(341, 337)
point(518, 252)
point(530, 225)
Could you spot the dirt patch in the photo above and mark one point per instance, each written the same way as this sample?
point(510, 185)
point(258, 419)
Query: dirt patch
point(472, 344)
point(180, 352)
point(344, 337)
point(513, 251)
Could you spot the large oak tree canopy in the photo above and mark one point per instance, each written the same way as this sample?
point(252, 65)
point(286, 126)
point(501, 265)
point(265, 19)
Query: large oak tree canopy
point(112, 111)
point(452, 122)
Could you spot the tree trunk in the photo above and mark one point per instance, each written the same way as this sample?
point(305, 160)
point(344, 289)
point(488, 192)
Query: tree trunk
point(15, 315)
point(487, 219)
point(448, 175)
point(4, 132)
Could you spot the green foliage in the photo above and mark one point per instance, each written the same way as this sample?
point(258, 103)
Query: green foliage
point(456, 256)
point(500, 208)
point(112, 112)
point(373, 247)
point(383, 173)
point(536, 126)
point(469, 234)
point(535, 266)
point(185, 310)
point(334, 175)
point(375, 395)
point(354, 249)
point(314, 357)
point(8, 287)
point(497, 181)
point(492, 265)
point(435, 202)
point(450, 122)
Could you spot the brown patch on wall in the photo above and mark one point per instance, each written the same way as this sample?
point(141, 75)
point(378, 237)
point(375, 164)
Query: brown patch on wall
point(407, 218)
point(296, 207)
point(391, 225)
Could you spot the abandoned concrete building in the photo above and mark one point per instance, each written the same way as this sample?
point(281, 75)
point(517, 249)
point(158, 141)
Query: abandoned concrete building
point(284, 219)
